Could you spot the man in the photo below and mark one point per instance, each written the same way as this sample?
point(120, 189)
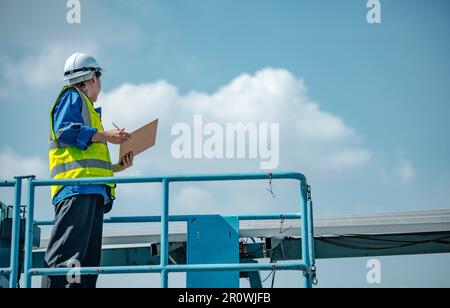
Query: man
point(78, 149)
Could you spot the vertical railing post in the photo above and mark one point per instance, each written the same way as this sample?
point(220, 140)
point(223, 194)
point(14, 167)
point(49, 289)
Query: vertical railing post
point(311, 228)
point(165, 233)
point(15, 237)
point(305, 234)
point(29, 234)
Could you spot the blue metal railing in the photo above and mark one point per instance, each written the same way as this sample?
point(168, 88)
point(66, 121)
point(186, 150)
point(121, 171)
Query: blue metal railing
point(306, 264)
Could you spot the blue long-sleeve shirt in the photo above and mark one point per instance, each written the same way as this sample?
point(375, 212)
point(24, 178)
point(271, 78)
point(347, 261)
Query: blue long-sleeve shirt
point(69, 129)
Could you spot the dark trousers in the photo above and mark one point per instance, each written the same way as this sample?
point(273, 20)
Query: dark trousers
point(76, 240)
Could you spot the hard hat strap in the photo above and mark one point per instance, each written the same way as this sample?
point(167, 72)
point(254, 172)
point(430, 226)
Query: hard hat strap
point(83, 69)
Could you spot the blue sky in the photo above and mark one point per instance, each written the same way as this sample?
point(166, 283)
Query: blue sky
point(381, 93)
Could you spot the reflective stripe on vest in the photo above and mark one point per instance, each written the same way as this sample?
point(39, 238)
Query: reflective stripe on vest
point(86, 163)
point(55, 144)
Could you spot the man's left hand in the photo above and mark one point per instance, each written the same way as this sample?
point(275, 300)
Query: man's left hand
point(126, 163)
point(127, 160)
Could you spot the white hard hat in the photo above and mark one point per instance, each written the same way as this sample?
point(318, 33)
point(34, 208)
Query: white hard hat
point(80, 67)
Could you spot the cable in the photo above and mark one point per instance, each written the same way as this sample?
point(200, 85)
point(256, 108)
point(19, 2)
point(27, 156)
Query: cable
point(406, 243)
point(380, 240)
point(273, 278)
point(268, 276)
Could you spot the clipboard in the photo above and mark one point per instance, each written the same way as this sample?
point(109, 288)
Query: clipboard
point(141, 140)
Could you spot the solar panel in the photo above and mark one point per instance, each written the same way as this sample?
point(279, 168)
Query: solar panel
point(332, 226)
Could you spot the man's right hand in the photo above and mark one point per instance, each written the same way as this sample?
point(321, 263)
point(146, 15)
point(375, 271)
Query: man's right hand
point(111, 136)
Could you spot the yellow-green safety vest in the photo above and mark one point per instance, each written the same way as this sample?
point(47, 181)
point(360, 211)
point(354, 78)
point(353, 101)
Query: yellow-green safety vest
point(69, 162)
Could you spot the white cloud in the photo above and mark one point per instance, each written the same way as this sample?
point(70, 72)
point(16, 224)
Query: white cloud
point(41, 69)
point(309, 136)
point(15, 165)
point(402, 171)
point(134, 105)
point(273, 94)
point(348, 158)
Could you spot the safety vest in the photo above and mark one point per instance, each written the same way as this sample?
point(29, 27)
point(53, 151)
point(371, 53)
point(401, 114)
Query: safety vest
point(69, 162)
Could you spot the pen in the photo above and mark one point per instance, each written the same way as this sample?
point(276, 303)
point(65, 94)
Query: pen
point(117, 127)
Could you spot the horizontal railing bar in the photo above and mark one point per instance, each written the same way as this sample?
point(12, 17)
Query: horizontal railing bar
point(97, 181)
point(179, 218)
point(7, 183)
point(182, 178)
point(170, 268)
point(238, 267)
point(233, 177)
point(270, 217)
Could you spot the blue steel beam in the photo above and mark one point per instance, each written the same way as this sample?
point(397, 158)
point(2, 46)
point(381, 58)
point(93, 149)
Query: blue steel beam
point(29, 233)
point(312, 248)
point(7, 183)
point(159, 179)
point(15, 237)
point(165, 234)
point(284, 266)
point(306, 257)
